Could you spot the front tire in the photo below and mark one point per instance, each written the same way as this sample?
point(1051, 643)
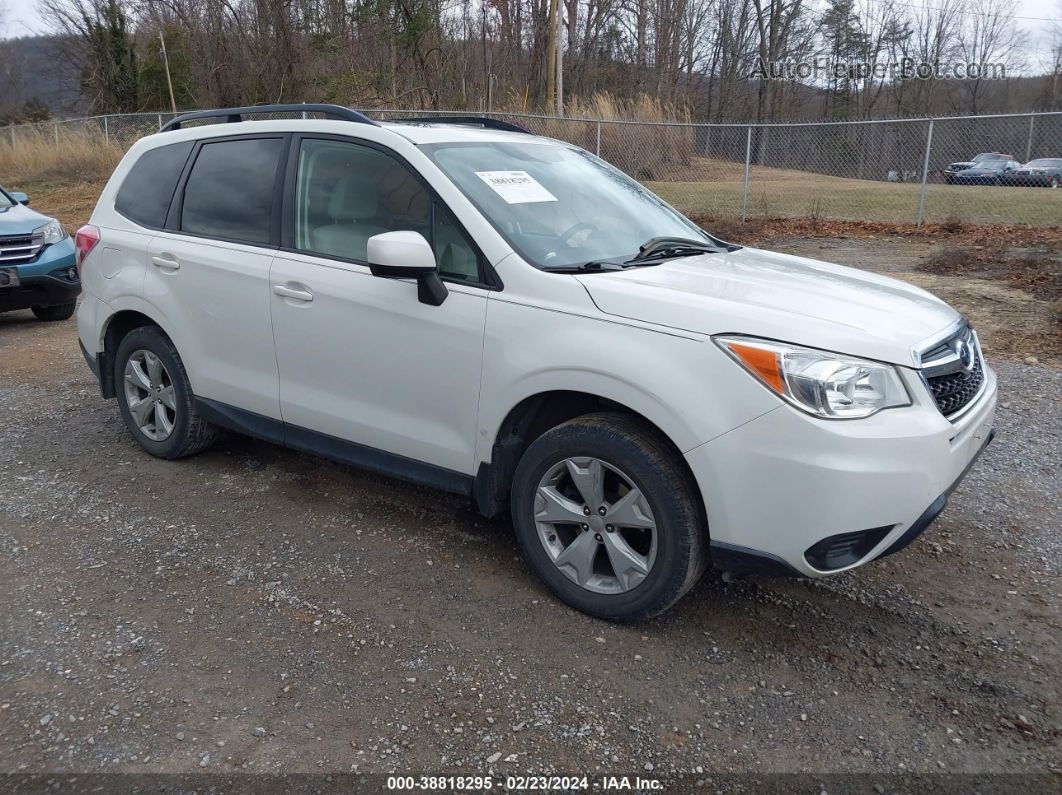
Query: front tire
point(608, 517)
point(155, 397)
point(56, 312)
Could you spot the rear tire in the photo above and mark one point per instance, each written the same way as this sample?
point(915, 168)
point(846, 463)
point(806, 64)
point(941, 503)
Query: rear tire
point(654, 570)
point(155, 397)
point(56, 312)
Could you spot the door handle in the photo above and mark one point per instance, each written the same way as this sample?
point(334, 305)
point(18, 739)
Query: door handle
point(165, 263)
point(297, 295)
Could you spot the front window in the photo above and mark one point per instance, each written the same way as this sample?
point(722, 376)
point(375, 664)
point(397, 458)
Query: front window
point(557, 205)
point(1047, 162)
point(5, 201)
point(346, 193)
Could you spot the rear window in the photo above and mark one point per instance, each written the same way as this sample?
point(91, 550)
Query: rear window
point(230, 190)
point(148, 188)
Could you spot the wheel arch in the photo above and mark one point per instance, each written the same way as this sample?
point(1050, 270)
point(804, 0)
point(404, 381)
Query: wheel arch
point(117, 326)
point(535, 415)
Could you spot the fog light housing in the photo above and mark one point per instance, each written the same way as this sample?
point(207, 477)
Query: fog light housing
point(844, 549)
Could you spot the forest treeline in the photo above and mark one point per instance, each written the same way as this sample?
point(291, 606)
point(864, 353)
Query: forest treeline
point(702, 59)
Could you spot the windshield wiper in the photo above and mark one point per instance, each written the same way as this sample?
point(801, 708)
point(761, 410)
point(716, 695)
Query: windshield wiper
point(668, 247)
point(592, 265)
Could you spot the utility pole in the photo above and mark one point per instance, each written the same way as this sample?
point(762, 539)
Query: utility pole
point(169, 80)
point(551, 55)
point(558, 33)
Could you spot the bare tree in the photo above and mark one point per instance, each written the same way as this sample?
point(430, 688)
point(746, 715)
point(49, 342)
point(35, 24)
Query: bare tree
point(987, 38)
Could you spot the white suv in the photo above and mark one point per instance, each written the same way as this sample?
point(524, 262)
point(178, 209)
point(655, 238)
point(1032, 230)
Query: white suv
point(465, 305)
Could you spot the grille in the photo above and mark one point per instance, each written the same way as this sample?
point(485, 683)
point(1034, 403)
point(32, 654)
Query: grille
point(953, 385)
point(19, 248)
point(955, 390)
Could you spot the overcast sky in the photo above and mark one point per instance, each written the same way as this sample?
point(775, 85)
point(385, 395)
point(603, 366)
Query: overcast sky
point(24, 19)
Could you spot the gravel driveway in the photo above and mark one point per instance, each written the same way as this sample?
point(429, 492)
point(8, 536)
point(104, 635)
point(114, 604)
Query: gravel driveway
point(255, 609)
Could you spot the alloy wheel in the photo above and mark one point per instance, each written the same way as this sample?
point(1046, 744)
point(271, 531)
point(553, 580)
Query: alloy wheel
point(596, 525)
point(150, 396)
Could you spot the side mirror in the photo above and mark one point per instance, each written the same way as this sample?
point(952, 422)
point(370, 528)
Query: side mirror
point(21, 198)
point(407, 255)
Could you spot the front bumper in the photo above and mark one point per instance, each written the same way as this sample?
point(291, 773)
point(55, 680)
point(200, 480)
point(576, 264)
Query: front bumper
point(791, 494)
point(43, 282)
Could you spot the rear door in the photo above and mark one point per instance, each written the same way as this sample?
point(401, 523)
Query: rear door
point(209, 269)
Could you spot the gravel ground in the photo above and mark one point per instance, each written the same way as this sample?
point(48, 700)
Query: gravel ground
point(254, 609)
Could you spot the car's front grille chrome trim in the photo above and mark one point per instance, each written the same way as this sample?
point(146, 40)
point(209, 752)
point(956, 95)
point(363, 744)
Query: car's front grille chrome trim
point(16, 249)
point(953, 370)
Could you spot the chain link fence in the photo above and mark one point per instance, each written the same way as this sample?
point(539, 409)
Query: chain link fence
point(891, 171)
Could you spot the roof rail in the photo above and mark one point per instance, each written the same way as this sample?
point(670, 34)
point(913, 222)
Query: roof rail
point(480, 121)
point(237, 114)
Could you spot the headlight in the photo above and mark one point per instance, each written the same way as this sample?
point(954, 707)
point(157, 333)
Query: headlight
point(51, 232)
point(824, 384)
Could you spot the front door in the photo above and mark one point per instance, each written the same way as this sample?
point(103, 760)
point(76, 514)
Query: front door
point(360, 358)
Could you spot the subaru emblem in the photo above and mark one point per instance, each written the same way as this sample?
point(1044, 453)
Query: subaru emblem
point(965, 354)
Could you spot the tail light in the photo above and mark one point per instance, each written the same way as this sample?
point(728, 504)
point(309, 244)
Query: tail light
point(84, 241)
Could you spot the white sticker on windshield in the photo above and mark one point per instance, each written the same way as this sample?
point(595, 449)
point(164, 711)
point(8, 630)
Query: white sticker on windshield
point(516, 187)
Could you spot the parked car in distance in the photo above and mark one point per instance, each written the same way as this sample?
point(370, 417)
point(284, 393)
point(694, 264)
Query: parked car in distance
point(987, 172)
point(36, 261)
point(1044, 172)
point(468, 306)
point(953, 169)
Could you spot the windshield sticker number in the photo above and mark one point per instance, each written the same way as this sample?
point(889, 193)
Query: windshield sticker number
point(516, 187)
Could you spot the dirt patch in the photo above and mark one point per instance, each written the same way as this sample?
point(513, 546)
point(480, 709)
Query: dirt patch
point(71, 202)
point(1034, 271)
point(757, 230)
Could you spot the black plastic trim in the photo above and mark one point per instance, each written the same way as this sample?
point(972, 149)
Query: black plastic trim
point(43, 290)
point(98, 364)
point(341, 450)
point(479, 121)
point(90, 360)
point(918, 527)
point(237, 114)
point(743, 560)
point(245, 422)
point(843, 549)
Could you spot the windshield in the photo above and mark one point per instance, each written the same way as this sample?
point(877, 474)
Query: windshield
point(5, 201)
point(557, 205)
point(983, 158)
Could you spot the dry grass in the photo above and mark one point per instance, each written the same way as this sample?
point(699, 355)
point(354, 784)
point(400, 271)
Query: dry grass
point(717, 187)
point(77, 156)
point(1037, 272)
point(71, 202)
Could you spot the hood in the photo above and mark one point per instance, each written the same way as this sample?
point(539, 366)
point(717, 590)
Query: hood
point(778, 296)
point(20, 220)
